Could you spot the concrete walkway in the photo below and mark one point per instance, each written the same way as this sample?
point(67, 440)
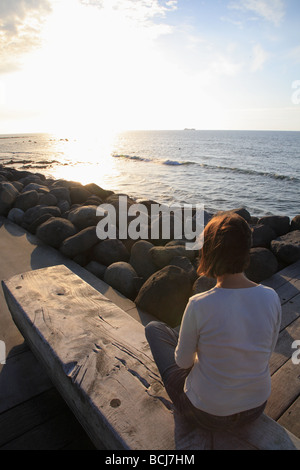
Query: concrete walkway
point(31, 411)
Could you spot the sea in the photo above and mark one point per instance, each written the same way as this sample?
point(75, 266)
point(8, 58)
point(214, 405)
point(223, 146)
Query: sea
point(222, 170)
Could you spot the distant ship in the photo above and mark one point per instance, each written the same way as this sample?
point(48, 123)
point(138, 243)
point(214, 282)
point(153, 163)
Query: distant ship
point(189, 129)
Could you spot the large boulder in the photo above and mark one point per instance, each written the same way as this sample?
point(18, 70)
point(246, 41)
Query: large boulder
point(100, 192)
point(263, 264)
point(185, 264)
point(83, 216)
point(279, 223)
point(141, 260)
point(79, 194)
point(262, 235)
point(96, 268)
point(80, 242)
point(61, 193)
point(16, 215)
point(36, 212)
point(55, 230)
point(203, 284)
point(165, 294)
point(162, 255)
point(40, 188)
point(241, 211)
point(110, 251)
point(26, 200)
point(47, 199)
point(8, 195)
point(295, 223)
point(122, 277)
point(287, 247)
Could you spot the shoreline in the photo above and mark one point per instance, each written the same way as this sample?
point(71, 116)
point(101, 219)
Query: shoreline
point(62, 214)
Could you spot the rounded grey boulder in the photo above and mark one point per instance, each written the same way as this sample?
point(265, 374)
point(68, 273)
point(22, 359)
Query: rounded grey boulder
point(55, 230)
point(80, 242)
point(110, 251)
point(165, 294)
point(122, 277)
point(8, 195)
point(263, 264)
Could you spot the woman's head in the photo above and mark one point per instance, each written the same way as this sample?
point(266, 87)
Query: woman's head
point(226, 247)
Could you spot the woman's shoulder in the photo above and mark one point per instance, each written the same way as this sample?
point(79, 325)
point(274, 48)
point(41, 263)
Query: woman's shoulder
point(202, 296)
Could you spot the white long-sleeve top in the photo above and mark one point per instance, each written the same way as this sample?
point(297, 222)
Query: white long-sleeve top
point(227, 337)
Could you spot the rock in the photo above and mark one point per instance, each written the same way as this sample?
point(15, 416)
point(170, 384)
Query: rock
point(63, 205)
point(55, 230)
point(79, 195)
point(122, 277)
point(262, 235)
point(80, 242)
point(110, 251)
point(26, 200)
point(84, 216)
point(97, 191)
point(8, 195)
point(295, 223)
point(162, 255)
point(17, 185)
point(203, 284)
point(34, 213)
point(287, 247)
point(185, 264)
point(165, 294)
point(61, 193)
point(279, 223)
point(31, 178)
point(93, 201)
point(141, 260)
point(40, 188)
point(32, 228)
point(16, 215)
point(47, 199)
point(240, 211)
point(263, 264)
point(96, 268)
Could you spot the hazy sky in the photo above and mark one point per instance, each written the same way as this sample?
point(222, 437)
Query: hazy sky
point(89, 66)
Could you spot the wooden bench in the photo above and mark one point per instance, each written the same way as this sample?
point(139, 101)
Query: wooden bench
point(98, 358)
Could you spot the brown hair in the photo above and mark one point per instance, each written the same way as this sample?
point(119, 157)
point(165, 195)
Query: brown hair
point(226, 247)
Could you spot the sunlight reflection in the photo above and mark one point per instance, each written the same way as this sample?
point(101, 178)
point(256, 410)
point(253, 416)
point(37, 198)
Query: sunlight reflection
point(86, 158)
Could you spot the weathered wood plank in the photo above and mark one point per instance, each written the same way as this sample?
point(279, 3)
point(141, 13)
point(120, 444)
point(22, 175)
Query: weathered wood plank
point(98, 358)
point(96, 355)
point(54, 434)
point(21, 378)
point(35, 412)
point(285, 389)
point(290, 419)
point(286, 276)
point(283, 350)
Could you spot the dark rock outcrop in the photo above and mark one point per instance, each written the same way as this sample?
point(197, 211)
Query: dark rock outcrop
point(165, 294)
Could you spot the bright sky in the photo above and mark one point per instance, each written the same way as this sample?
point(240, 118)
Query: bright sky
point(106, 65)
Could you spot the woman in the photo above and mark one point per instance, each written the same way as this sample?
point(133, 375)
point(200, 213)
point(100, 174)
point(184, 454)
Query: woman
point(216, 370)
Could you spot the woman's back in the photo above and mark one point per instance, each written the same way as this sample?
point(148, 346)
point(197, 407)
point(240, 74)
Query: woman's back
point(234, 332)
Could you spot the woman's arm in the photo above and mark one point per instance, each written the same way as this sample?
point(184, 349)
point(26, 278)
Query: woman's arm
point(186, 349)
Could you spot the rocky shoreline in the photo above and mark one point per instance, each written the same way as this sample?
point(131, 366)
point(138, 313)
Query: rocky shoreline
point(158, 275)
